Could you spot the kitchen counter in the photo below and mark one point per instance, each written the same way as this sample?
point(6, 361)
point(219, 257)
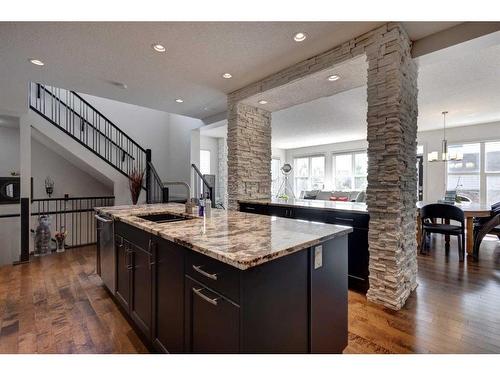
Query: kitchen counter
point(355, 207)
point(352, 214)
point(242, 240)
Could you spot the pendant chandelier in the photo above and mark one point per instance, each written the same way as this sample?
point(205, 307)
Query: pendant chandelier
point(445, 155)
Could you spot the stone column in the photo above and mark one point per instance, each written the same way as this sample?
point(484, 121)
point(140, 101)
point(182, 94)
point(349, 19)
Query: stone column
point(222, 170)
point(392, 184)
point(249, 153)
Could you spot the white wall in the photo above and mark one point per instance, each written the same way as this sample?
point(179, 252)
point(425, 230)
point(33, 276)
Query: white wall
point(167, 135)
point(279, 153)
point(68, 178)
point(148, 127)
point(9, 227)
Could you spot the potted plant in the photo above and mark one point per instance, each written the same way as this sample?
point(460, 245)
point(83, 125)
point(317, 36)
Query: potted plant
point(60, 239)
point(135, 179)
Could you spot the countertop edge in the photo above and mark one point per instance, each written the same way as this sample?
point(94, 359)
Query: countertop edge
point(222, 257)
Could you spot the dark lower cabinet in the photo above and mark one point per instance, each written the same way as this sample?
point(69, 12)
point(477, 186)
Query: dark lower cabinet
point(140, 296)
point(212, 321)
point(358, 260)
point(182, 301)
point(168, 296)
point(358, 239)
point(123, 265)
point(134, 276)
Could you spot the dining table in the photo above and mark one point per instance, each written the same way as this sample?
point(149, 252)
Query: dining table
point(470, 209)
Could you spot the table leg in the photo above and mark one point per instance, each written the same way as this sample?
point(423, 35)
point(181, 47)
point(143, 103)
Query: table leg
point(469, 234)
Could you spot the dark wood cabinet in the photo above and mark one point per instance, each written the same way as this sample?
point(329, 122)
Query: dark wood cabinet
point(122, 292)
point(358, 240)
point(141, 289)
point(134, 275)
point(212, 322)
point(181, 301)
point(168, 296)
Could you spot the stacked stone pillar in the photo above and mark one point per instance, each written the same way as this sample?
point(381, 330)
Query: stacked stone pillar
point(392, 174)
point(249, 153)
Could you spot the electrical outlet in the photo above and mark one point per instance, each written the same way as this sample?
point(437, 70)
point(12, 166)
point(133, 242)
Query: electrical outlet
point(318, 257)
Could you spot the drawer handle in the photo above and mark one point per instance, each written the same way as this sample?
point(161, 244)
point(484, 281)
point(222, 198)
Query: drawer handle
point(198, 292)
point(198, 269)
point(250, 208)
point(344, 219)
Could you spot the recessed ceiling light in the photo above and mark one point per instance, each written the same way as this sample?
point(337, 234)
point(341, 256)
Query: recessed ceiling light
point(333, 77)
point(226, 75)
point(37, 62)
point(119, 84)
point(159, 47)
point(179, 100)
point(299, 37)
point(262, 101)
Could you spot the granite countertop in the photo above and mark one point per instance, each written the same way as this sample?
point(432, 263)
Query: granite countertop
point(240, 239)
point(355, 207)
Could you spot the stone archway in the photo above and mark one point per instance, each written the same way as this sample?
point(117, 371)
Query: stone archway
point(391, 134)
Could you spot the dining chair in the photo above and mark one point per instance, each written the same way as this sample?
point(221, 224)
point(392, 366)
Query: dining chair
point(484, 226)
point(447, 212)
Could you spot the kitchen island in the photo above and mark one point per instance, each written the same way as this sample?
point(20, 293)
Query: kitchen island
point(353, 214)
point(232, 283)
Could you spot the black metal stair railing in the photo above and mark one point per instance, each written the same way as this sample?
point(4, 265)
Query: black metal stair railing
point(202, 186)
point(75, 215)
point(84, 123)
point(156, 192)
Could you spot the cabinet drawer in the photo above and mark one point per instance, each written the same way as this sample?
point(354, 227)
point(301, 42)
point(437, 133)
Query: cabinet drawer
point(135, 235)
point(347, 218)
point(218, 276)
point(254, 208)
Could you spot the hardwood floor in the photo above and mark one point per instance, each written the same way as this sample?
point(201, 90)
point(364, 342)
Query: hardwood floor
point(56, 304)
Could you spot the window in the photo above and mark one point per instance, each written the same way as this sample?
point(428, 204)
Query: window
point(477, 176)
point(492, 171)
point(464, 175)
point(350, 171)
point(309, 173)
point(205, 162)
point(420, 149)
point(275, 175)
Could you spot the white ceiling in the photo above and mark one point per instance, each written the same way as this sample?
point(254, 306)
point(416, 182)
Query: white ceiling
point(352, 74)
point(88, 57)
point(464, 80)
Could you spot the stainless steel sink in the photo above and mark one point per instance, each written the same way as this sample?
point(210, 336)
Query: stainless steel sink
point(163, 218)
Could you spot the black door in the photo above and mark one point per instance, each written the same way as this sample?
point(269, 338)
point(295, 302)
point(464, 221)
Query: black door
point(140, 299)
point(122, 293)
point(212, 322)
point(168, 294)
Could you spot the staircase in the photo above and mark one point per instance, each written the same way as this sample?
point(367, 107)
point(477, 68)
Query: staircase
point(84, 124)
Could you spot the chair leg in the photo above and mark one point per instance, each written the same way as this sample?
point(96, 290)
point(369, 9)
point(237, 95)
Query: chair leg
point(423, 242)
point(463, 243)
point(461, 252)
